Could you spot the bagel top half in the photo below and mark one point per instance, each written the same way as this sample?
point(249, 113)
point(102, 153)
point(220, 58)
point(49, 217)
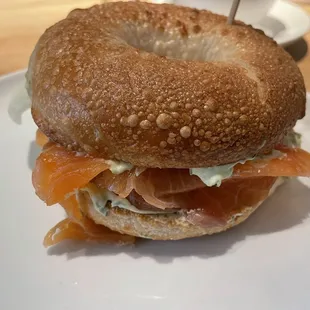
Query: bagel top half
point(162, 86)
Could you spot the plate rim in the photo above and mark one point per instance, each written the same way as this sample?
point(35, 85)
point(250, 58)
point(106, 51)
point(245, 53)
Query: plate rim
point(12, 74)
point(296, 8)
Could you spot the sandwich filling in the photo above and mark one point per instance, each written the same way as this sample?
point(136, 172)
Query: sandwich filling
point(205, 196)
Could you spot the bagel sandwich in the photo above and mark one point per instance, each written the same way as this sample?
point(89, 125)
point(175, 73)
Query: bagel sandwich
point(160, 122)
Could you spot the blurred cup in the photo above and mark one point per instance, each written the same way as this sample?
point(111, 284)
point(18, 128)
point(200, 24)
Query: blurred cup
point(249, 11)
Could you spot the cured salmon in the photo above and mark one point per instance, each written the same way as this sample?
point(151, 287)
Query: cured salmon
point(41, 138)
point(59, 173)
point(152, 182)
point(78, 227)
point(214, 206)
point(292, 162)
point(121, 184)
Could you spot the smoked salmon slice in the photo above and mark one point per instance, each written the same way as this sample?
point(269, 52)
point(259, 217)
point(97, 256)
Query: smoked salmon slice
point(158, 182)
point(159, 187)
point(214, 206)
point(121, 184)
point(58, 172)
point(41, 138)
point(293, 162)
point(79, 227)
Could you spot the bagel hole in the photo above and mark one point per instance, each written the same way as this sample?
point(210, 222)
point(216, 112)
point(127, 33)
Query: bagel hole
point(171, 44)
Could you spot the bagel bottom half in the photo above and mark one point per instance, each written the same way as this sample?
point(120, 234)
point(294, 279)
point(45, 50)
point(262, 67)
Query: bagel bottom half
point(162, 226)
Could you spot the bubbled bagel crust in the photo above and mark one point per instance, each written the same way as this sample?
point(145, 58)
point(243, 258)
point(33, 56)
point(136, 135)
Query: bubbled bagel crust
point(162, 86)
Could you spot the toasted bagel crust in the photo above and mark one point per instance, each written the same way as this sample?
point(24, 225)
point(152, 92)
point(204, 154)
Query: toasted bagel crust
point(126, 79)
point(159, 227)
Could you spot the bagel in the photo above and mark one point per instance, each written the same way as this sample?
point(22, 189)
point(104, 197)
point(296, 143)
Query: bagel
point(160, 121)
point(123, 79)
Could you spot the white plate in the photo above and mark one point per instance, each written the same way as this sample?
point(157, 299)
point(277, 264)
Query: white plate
point(261, 264)
point(285, 23)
